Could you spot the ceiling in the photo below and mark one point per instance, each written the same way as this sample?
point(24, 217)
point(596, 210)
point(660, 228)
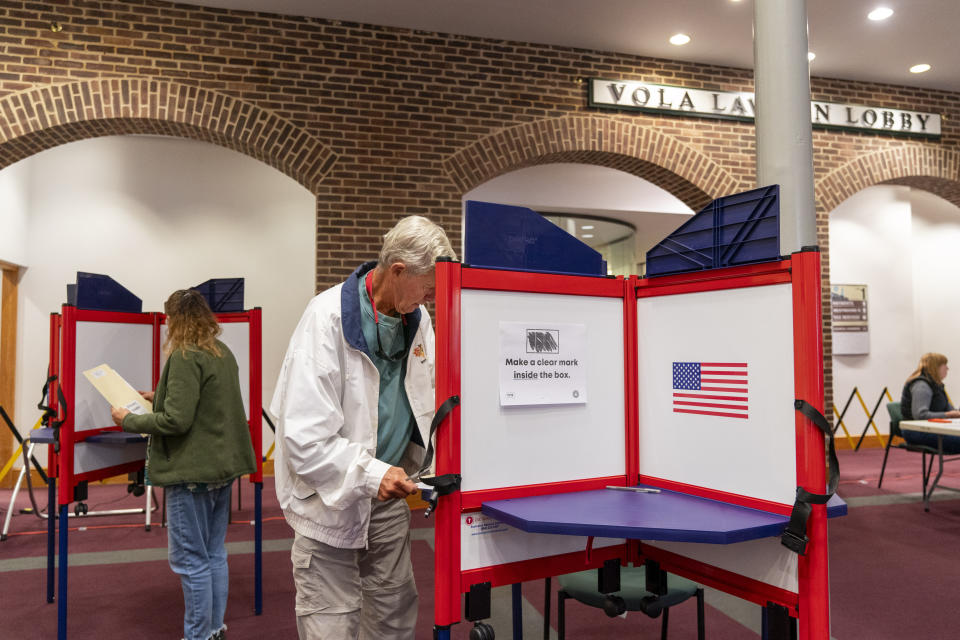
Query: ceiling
point(846, 44)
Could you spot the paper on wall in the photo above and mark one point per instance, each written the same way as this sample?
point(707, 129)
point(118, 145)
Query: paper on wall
point(542, 363)
point(117, 391)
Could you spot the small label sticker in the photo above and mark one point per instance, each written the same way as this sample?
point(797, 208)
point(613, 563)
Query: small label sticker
point(135, 407)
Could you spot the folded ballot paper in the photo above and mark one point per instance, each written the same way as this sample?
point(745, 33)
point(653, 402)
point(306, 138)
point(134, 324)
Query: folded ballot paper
point(116, 390)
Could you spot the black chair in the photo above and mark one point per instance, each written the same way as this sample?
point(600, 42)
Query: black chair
point(927, 446)
point(938, 447)
point(632, 596)
point(893, 408)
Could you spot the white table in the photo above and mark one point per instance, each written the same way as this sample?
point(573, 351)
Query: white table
point(940, 429)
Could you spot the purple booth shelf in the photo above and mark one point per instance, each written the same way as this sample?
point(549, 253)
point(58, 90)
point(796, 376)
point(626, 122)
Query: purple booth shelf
point(667, 516)
point(116, 437)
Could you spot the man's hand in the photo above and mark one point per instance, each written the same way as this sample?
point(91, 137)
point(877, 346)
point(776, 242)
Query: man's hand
point(395, 484)
point(118, 414)
point(147, 395)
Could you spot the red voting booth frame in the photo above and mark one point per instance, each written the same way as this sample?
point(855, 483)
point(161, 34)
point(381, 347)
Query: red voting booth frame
point(810, 605)
point(63, 344)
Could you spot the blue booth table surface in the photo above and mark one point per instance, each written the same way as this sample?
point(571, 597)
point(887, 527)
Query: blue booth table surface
point(46, 436)
point(667, 516)
point(117, 437)
point(42, 436)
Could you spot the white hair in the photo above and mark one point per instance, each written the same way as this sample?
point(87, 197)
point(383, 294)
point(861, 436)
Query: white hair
point(417, 243)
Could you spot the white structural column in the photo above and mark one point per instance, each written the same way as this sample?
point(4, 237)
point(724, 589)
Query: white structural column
point(784, 136)
point(785, 157)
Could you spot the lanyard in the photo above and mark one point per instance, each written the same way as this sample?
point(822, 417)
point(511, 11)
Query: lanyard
point(369, 283)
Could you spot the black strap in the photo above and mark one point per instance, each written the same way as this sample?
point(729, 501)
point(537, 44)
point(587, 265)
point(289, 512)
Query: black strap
point(449, 482)
point(795, 536)
point(49, 413)
point(442, 412)
point(266, 417)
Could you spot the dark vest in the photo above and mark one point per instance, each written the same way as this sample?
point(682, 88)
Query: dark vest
point(938, 402)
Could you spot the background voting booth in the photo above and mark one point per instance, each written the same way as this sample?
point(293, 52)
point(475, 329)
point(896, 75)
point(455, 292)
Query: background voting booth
point(684, 381)
point(105, 325)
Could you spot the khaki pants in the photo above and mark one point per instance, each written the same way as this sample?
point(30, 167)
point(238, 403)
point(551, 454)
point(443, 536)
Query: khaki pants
point(366, 594)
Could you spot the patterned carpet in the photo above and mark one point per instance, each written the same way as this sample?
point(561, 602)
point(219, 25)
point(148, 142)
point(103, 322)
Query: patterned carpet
point(893, 568)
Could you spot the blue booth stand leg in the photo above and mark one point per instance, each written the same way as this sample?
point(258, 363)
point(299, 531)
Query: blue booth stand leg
point(441, 633)
point(258, 548)
point(776, 623)
point(51, 534)
point(62, 586)
point(517, 596)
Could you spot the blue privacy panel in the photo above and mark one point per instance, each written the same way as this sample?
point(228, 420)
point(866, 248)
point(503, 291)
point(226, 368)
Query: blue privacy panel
point(505, 237)
point(96, 291)
point(222, 294)
point(733, 230)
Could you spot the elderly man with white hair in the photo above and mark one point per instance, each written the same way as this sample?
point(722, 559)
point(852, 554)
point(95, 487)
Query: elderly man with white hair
point(354, 403)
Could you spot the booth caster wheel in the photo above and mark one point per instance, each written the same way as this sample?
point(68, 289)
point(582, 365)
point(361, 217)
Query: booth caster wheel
point(651, 606)
point(481, 631)
point(80, 509)
point(614, 606)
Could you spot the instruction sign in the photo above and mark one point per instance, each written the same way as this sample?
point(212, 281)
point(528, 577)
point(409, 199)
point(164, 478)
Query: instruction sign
point(542, 363)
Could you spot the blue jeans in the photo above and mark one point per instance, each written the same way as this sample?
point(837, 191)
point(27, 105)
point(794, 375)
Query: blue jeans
point(196, 529)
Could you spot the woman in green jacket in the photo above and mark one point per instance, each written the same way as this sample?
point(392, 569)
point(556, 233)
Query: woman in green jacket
point(199, 443)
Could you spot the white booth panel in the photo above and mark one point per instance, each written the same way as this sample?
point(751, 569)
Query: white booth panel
point(505, 446)
point(751, 452)
point(127, 348)
point(487, 542)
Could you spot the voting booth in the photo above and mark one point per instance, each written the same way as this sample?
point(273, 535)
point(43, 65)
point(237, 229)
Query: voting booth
point(85, 445)
point(685, 386)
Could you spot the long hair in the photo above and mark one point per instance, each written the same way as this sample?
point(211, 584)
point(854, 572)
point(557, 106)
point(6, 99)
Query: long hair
point(930, 364)
point(191, 326)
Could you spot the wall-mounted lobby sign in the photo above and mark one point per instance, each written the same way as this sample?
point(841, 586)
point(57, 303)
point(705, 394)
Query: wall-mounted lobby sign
point(731, 105)
point(848, 310)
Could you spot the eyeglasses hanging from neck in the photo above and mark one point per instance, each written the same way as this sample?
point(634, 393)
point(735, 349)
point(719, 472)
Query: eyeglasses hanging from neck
point(401, 353)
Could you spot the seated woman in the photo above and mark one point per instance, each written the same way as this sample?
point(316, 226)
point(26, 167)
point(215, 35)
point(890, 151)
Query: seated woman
point(924, 397)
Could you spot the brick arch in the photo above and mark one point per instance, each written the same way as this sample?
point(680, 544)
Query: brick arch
point(933, 169)
point(45, 117)
point(929, 168)
point(641, 151)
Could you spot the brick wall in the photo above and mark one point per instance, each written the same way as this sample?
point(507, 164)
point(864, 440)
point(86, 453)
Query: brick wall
point(381, 122)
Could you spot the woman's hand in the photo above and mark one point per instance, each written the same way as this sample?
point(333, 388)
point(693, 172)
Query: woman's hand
point(147, 395)
point(118, 414)
point(953, 414)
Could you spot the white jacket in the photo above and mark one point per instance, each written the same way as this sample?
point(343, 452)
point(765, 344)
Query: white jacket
point(325, 402)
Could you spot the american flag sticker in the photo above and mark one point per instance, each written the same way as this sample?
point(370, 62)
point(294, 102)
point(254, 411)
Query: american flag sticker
point(710, 388)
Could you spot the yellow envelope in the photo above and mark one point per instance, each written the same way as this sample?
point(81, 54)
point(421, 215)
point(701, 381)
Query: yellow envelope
point(117, 391)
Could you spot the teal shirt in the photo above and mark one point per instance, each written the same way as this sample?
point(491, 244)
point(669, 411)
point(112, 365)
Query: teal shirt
point(394, 414)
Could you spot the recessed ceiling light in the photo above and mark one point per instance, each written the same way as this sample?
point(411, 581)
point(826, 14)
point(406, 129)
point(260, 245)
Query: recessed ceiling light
point(810, 56)
point(919, 68)
point(586, 235)
point(586, 227)
point(880, 13)
point(679, 39)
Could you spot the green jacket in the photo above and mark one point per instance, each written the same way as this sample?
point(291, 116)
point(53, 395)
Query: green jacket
point(198, 430)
